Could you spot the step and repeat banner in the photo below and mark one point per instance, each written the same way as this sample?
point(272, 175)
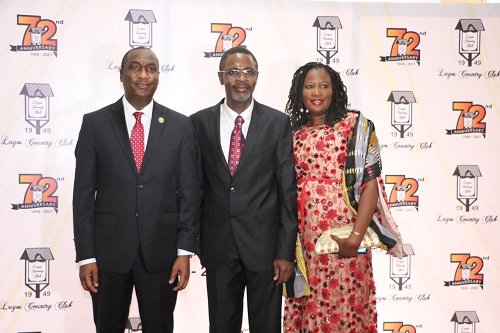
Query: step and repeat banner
point(428, 75)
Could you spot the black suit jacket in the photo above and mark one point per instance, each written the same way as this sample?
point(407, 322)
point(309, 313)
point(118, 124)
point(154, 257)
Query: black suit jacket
point(116, 209)
point(257, 206)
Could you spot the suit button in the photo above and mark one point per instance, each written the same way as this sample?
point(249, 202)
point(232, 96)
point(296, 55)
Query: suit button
point(233, 190)
point(140, 186)
point(136, 214)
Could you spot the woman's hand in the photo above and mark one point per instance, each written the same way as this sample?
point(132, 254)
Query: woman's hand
point(348, 247)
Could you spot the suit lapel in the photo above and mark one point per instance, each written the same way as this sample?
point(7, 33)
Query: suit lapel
point(117, 119)
point(158, 122)
point(214, 128)
point(253, 133)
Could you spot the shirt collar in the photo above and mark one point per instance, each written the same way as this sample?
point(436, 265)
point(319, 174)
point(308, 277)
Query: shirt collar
point(129, 109)
point(231, 115)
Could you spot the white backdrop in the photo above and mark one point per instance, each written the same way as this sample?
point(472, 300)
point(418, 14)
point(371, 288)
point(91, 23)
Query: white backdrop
point(406, 66)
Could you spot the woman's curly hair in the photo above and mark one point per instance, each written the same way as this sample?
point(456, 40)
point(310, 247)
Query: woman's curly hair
point(295, 108)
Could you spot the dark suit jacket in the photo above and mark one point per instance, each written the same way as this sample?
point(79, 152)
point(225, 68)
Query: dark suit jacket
point(258, 205)
point(116, 210)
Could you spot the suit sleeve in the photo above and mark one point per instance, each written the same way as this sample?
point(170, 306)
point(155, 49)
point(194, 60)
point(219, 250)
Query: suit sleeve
point(84, 193)
point(189, 191)
point(287, 194)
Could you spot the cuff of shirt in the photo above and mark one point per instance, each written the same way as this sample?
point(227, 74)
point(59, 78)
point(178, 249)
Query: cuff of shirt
point(181, 252)
point(86, 261)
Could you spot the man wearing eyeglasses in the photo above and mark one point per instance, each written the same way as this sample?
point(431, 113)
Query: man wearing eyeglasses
point(249, 212)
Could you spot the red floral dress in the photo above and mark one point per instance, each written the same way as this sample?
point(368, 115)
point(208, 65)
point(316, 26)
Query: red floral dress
point(342, 296)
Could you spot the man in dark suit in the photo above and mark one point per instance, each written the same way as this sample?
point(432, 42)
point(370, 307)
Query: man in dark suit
point(136, 206)
point(249, 211)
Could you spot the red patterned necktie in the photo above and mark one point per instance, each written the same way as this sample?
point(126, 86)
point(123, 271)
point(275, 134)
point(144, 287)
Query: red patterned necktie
point(236, 145)
point(137, 140)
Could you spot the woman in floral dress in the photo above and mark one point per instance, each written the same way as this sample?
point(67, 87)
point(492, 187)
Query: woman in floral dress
point(342, 295)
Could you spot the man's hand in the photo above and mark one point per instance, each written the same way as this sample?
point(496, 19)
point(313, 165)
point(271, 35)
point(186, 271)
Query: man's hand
point(282, 270)
point(181, 270)
point(89, 277)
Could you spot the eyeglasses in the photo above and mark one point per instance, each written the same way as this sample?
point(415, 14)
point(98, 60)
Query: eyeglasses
point(234, 73)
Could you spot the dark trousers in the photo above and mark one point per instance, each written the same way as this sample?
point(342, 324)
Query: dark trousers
point(155, 298)
point(225, 289)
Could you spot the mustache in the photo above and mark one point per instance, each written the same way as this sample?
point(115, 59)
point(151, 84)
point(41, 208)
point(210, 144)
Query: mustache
point(241, 85)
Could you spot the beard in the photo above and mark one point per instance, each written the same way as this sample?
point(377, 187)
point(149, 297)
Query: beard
point(238, 97)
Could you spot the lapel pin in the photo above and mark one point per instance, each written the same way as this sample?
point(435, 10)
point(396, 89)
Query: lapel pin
point(161, 120)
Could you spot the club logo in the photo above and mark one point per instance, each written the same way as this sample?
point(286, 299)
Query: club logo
point(400, 269)
point(39, 193)
point(465, 321)
point(37, 268)
point(470, 122)
point(468, 271)
point(469, 49)
point(404, 47)
point(37, 114)
point(467, 192)
point(38, 36)
point(469, 40)
point(400, 274)
point(36, 105)
point(134, 324)
point(327, 35)
point(140, 35)
point(403, 193)
point(140, 27)
point(401, 110)
point(229, 37)
point(467, 176)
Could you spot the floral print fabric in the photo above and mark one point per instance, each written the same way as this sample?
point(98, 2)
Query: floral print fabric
point(342, 296)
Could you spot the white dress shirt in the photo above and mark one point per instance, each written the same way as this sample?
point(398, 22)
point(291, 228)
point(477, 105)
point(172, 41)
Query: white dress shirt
point(145, 118)
point(227, 118)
